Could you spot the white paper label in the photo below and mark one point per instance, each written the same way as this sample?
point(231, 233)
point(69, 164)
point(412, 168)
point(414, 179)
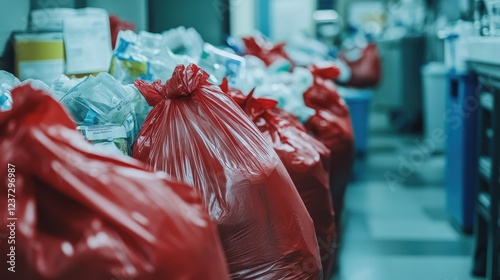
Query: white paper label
point(45, 70)
point(87, 42)
point(103, 133)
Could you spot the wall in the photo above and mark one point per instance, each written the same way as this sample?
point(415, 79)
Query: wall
point(242, 17)
point(342, 6)
point(135, 11)
point(47, 4)
point(281, 19)
point(287, 17)
point(13, 16)
point(206, 16)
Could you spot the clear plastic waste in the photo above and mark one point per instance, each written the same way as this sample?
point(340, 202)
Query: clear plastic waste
point(184, 41)
point(287, 88)
point(222, 64)
point(102, 100)
point(7, 82)
point(144, 56)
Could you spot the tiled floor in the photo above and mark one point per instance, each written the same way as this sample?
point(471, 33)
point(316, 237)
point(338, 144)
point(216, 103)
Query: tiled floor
point(400, 230)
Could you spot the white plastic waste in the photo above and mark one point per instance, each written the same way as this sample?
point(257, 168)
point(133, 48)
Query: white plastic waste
point(304, 50)
point(288, 89)
point(63, 84)
point(219, 64)
point(7, 82)
point(184, 41)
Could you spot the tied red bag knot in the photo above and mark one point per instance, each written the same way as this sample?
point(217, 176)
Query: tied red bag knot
point(225, 87)
point(254, 107)
point(323, 94)
point(328, 71)
point(236, 95)
point(259, 44)
point(184, 82)
point(266, 51)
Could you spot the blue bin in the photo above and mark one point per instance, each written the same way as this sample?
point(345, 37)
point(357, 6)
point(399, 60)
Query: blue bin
point(461, 151)
point(358, 101)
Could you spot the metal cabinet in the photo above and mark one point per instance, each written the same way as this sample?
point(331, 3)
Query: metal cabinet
point(400, 90)
point(487, 233)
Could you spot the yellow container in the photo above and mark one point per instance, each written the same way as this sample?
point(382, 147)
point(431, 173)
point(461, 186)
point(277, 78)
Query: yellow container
point(39, 56)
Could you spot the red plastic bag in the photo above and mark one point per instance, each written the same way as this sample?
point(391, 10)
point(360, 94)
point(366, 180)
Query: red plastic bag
point(332, 131)
point(116, 24)
point(323, 93)
point(266, 51)
point(332, 126)
point(366, 71)
point(306, 160)
point(85, 216)
point(200, 136)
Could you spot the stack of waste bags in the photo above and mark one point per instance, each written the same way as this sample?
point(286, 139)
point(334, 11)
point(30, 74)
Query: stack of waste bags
point(331, 125)
point(310, 94)
point(243, 186)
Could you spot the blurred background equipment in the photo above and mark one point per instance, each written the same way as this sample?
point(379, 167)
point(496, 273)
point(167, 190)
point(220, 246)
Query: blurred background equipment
point(434, 100)
point(400, 91)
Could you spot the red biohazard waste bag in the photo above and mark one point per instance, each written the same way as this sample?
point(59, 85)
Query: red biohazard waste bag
point(332, 126)
point(332, 131)
point(266, 51)
point(201, 137)
point(366, 71)
point(323, 93)
point(239, 97)
point(306, 160)
point(77, 215)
